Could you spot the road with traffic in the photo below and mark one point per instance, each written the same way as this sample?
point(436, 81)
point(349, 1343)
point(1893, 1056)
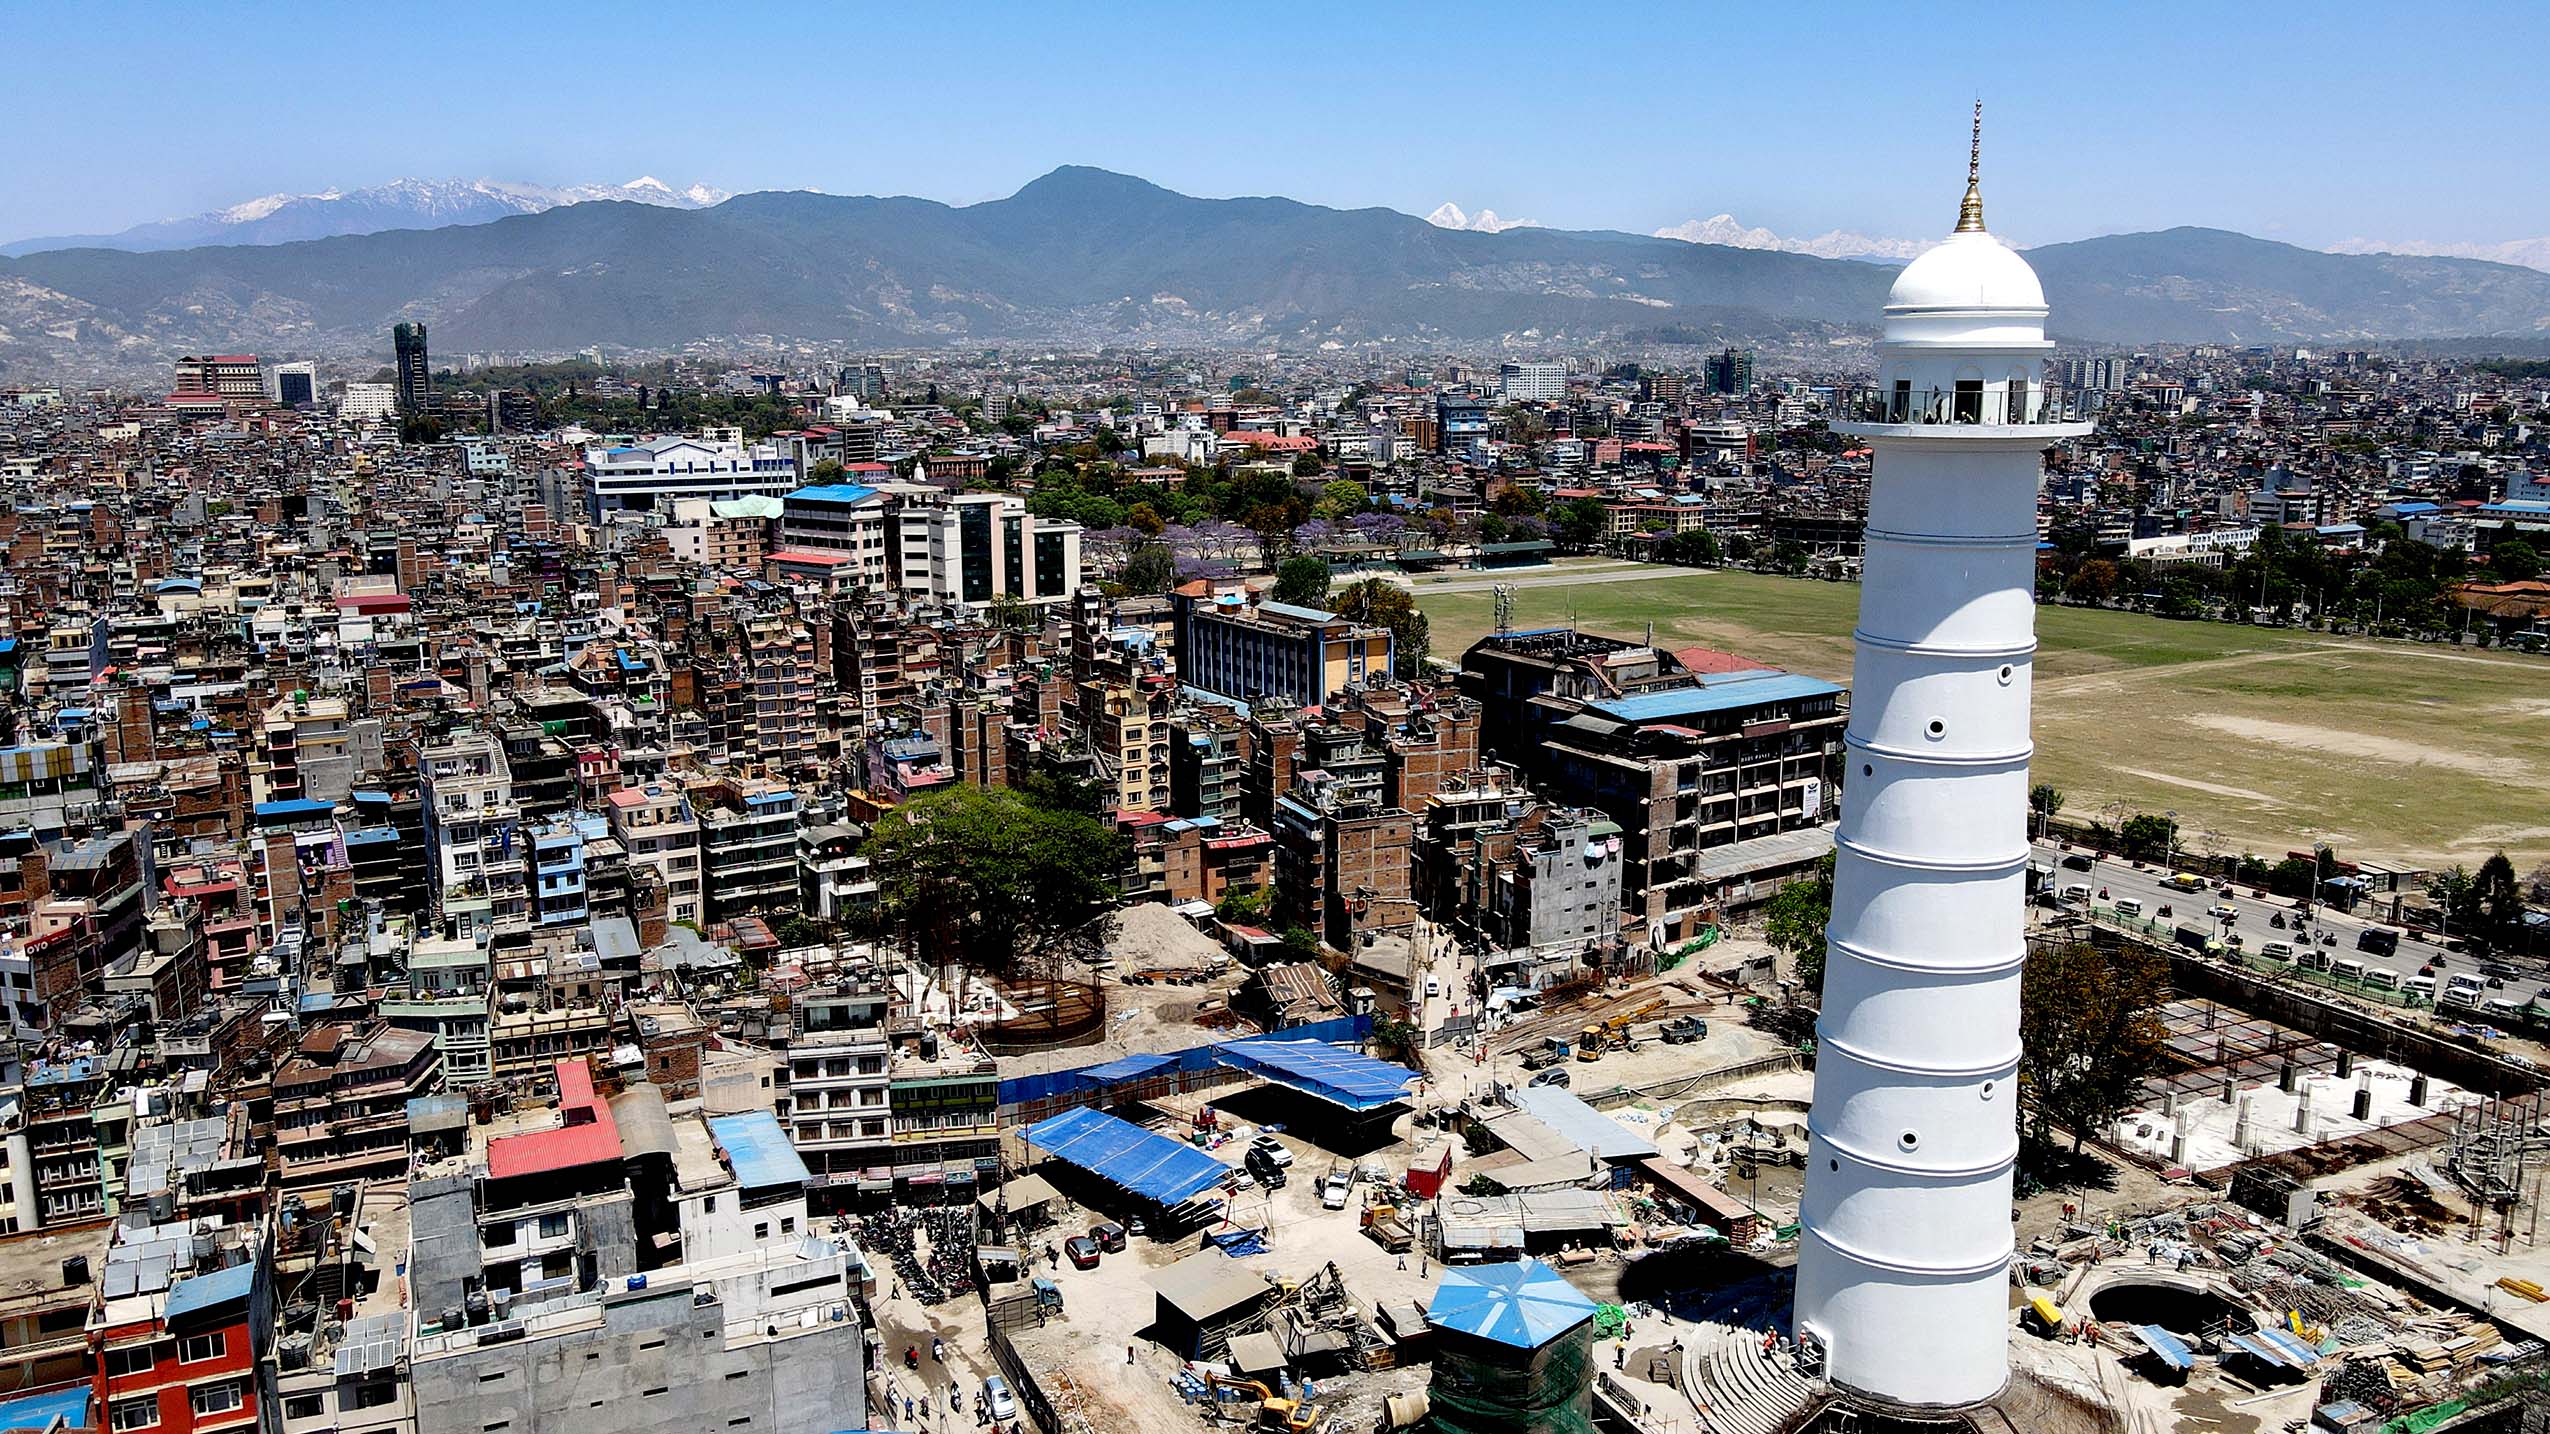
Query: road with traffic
point(2110, 879)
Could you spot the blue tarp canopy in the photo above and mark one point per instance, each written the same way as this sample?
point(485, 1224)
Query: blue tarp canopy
point(1348, 1078)
point(1161, 1170)
point(1525, 1304)
point(2167, 1347)
point(1130, 1068)
point(759, 1150)
point(2278, 1348)
point(38, 1411)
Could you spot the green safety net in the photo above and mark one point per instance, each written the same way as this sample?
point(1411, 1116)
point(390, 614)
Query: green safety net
point(1545, 1391)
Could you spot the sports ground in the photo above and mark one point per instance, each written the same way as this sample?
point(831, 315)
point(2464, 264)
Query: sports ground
point(2261, 739)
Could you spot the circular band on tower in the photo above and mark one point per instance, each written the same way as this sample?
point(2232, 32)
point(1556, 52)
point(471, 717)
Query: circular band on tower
point(1992, 1266)
point(2006, 651)
point(2006, 1065)
point(1991, 1167)
point(2020, 758)
point(1897, 963)
point(1951, 540)
point(1989, 866)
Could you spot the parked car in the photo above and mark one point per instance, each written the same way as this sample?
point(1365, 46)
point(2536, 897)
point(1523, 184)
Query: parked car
point(1556, 1075)
point(1275, 1149)
point(1082, 1252)
point(1108, 1234)
point(1334, 1190)
point(997, 1400)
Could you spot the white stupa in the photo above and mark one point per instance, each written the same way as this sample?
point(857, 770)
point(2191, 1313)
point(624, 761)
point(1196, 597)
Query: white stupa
point(1902, 1278)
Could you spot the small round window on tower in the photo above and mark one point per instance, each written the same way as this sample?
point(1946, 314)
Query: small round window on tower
point(1866, 770)
point(1938, 728)
point(1987, 1090)
point(2008, 672)
point(1909, 1140)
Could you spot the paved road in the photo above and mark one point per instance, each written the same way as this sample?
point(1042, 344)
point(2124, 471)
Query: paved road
point(2120, 879)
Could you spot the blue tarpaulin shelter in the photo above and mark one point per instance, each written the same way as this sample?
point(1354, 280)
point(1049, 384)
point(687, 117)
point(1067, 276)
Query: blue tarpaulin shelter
point(2276, 1348)
point(1161, 1170)
point(1342, 1077)
point(38, 1411)
point(2165, 1347)
point(1130, 1068)
point(1525, 1304)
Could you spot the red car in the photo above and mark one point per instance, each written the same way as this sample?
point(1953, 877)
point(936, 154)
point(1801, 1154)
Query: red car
point(1082, 1251)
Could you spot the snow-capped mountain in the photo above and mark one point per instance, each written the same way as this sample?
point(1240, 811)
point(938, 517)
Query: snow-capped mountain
point(1836, 244)
point(1448, 215)
point(399, 204)
point(2530, 253)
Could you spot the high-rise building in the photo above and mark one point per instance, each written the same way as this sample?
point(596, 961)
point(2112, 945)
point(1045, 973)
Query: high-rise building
point(294, 385)
point(1903, 1273)
point(1730, 371)
point(413, 370)
point(1532, 382)
point(222, 375)
point(367, 401)
point(979, 548)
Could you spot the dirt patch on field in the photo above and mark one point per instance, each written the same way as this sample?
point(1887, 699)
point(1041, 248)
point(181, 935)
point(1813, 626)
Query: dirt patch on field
point(2340, 743)
point(2190, 783)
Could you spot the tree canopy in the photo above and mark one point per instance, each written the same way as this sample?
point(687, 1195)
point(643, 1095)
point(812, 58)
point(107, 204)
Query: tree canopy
point(2090, 1026)
point(1303, 582)
point(991, 879)
point(1386, 604)
point(1794, 922)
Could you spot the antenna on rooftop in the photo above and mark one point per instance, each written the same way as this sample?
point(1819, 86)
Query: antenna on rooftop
point(1504, 608)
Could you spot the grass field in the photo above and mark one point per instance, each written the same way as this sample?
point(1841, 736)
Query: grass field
point(2259, 738)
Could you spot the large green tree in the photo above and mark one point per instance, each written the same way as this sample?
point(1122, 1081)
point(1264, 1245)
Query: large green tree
point(2146, 837)
point(1302, 581)
point(992, 880)
point(1794, 920)
point(2090, 1032)
point(1386, 604)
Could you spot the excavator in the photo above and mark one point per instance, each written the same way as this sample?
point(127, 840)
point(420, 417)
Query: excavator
point(1274, 1411)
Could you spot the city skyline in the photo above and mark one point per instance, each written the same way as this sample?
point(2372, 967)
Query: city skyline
point(2229, 122)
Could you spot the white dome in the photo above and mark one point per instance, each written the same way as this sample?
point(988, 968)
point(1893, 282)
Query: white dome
point(1970, 271)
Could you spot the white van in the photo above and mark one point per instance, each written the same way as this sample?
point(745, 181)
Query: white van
point(2076, 895)
point(2462, 988)
point(2313, 959)
point(2348, 970)
point(2382, 978)
point(2279, 952)
point(2423, 988)
point(2129, 906)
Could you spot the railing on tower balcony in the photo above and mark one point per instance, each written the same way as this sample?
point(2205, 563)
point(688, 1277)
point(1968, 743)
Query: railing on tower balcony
point(1964, 404)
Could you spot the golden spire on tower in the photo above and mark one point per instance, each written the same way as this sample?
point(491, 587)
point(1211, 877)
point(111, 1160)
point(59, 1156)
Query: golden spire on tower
point(1970, 213)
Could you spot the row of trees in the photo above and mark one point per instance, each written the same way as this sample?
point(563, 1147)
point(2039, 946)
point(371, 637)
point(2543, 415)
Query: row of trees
point(2405, 586)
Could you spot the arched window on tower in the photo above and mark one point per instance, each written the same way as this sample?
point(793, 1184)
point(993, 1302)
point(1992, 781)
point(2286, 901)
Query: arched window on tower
point(1900, 411)
point(1968, 403)
point(2016, 408)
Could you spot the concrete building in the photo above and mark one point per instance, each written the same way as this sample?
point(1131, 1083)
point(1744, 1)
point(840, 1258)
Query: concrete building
point(648, 476)
point(974, 549)
point(1903, 1269)
point(1532, 382)
point(661, 834)
point(1248, 651)
point(839, 518)
point(840, 1106)
point(471, 829)
point(748, 846)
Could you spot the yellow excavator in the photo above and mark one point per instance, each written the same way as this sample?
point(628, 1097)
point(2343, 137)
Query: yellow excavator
point(1274, 1411)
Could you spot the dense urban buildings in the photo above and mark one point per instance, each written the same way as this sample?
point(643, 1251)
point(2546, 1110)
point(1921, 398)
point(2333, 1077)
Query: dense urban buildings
point(574, 886)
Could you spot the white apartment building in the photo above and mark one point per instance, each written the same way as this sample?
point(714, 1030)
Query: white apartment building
point(657, 826)
point(471, 826)
point(1532, 382)
point(976, 548)
point(840, 1115)
point(640, 477)
point(366, 401)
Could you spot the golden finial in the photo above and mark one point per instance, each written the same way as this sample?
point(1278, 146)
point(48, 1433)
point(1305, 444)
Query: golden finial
point(1970, 214)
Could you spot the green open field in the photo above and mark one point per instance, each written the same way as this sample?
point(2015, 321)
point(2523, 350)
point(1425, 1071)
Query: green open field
point(2259, 738)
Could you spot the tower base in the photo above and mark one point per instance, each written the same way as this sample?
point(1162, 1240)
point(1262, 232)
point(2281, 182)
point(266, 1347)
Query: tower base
point(2026, 1405)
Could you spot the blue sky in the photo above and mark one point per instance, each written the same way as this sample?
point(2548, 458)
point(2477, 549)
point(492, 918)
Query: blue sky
point(2340, 121)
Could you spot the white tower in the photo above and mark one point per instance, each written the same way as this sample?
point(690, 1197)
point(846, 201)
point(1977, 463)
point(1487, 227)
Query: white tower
point(1903, 1275)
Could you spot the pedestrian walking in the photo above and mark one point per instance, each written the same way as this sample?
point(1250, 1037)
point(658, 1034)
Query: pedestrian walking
point(1128, 1354)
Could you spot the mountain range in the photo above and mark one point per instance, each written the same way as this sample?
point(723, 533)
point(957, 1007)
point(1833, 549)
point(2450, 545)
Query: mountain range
point(1084, 255)
point(399, 204)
